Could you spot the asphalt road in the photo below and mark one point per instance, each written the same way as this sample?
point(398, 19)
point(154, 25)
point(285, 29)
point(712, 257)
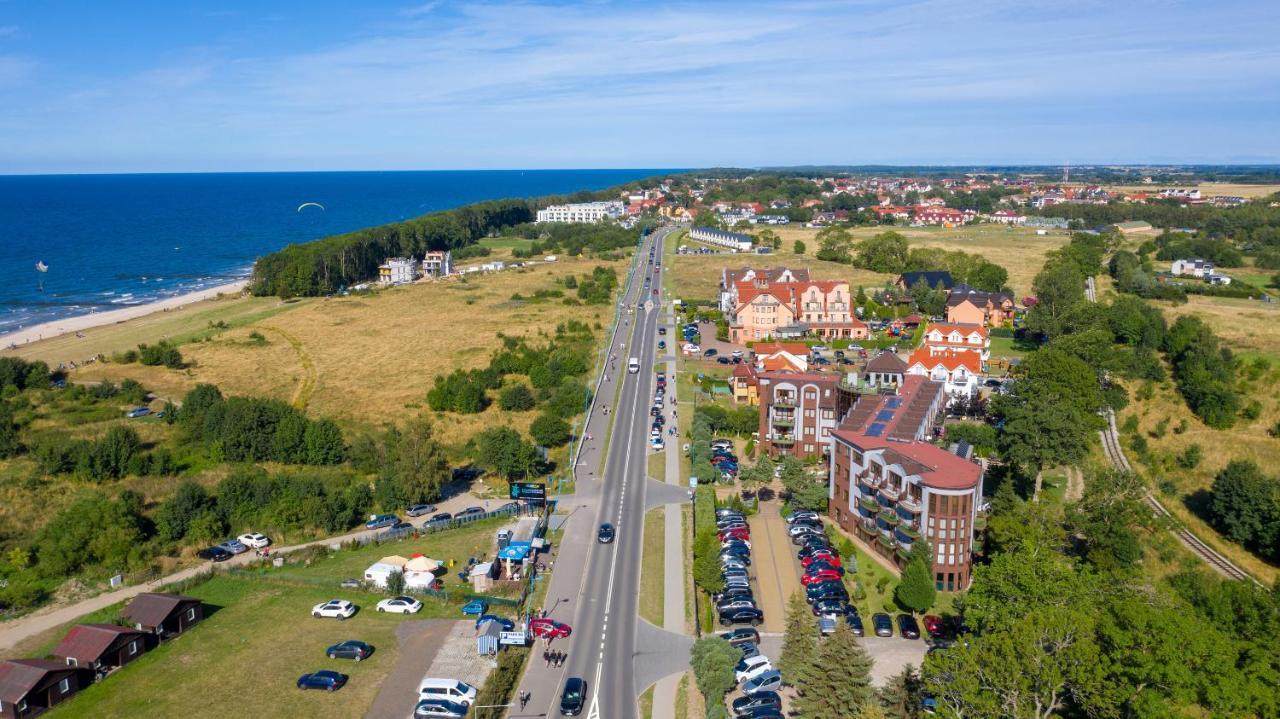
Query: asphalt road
point(603, 646)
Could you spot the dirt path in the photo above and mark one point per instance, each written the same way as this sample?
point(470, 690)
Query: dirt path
point(1075, 484)
point(307, 387)
point(419, 642)
point(775, 567)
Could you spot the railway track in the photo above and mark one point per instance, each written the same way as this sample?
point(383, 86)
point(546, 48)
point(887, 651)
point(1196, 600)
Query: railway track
point(1111, 448)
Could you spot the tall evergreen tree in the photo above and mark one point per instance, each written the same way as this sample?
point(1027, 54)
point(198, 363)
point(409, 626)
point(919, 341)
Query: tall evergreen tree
point(799, 643)
point(916, 590)
point(901, 696)
point(838, 683)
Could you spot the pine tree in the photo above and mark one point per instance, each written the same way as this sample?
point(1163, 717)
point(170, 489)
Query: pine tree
point(800, 643)
point(901, 696)
point(837, 684)
point(916, 591)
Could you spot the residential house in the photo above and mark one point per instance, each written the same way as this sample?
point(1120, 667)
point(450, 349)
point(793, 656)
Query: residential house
point(29, 687)
point(959, 338)
point(969, 306)
point(164, 615)
point(1192, 266)
point(884, 371)
point(397, 271)
point(101, 647)
point(744, 385)
point(932, 278)
point(945, 216)
point(798, 410)
point(762, 278)
point(958, 371)
point(768, 310)
point(733, 241)
point(892, 493)
point(779, 356)
point(437, 264)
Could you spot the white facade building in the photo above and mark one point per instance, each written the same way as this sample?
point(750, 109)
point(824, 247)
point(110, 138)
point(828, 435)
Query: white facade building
point(720, 238)
point(397, 271)
point(581, 212)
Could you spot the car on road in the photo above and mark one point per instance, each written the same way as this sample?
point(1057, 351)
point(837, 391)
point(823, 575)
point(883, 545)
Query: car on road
point(418, 510)
point(439, 708)
point(506, 624)
point(468, 512)
point(743, 707)
point(724, 360)
point(544, 628)
point(750, 667)
point(710, 352)
point(662, 330)
point(234, 546)
point(400, 527)
point(741, 635)
point(745, 615)
point(606, 533)
point(400, 605)
point(475, 606)
point(378, 521)
point(882, 624)
point(573, 696)
point(908, 627)
point(215, 554)
point(324, 679)
point(350, 649)
point(770, 681)
point(254, 540)
point(334, 608)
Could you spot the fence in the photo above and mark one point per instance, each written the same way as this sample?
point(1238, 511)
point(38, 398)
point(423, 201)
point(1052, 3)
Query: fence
point(389, 535)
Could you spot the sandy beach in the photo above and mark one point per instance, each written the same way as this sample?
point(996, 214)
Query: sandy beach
point(80, 323)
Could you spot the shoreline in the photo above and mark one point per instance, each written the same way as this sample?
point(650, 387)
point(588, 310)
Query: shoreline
point(79, 323)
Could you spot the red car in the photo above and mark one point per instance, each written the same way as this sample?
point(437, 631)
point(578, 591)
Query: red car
point(824, 575)
point(932, 623)
point(735, 534)
point(831, 559)
point(549, 628)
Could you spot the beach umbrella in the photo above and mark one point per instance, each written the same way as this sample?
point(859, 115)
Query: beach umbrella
point(41, 270)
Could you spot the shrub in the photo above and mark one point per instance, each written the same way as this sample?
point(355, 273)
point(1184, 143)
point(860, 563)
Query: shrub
point(516, 398)
point(549, 430)
point(162, 354)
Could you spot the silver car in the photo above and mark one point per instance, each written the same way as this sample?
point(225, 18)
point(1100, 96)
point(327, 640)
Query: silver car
point(234, 546)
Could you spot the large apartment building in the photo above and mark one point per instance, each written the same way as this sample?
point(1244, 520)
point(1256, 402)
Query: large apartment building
point(581, 212)
point(759, 307)
point(890, 488)
point(798, 411)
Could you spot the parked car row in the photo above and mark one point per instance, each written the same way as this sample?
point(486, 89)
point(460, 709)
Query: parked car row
point(823, 576)
point(232, 547)
point(723, 458)
point(735, 604)
point(756, 677)
point(659, 402)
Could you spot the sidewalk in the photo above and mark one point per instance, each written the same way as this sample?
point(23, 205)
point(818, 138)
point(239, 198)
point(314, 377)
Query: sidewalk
point(673, 619)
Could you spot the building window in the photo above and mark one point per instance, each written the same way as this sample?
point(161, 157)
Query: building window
point(191, 614)
point(64, 686)
point(133, 647)
point(72, 662)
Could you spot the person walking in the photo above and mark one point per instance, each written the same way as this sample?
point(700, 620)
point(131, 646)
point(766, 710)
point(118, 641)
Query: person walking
point(524, 699)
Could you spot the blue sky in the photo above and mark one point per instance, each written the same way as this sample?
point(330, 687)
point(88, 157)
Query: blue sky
point(220, 86)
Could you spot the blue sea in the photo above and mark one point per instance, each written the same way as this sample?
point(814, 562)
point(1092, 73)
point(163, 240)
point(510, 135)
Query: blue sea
point(110, 241)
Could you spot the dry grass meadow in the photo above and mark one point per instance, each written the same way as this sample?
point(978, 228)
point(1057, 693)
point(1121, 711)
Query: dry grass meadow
point(1208, 189)
point(363, 360)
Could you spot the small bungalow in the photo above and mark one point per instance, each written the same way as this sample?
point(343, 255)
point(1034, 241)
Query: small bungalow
point(29, 687)
point(886, 369)
point(165, 615)
point(482, 576)
point(101, 647)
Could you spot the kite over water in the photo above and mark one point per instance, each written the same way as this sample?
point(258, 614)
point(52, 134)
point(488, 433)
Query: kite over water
point(41, 268)
point(310, 204)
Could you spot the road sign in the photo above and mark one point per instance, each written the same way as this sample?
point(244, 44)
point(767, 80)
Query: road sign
point(517, 638)
point(529, 491)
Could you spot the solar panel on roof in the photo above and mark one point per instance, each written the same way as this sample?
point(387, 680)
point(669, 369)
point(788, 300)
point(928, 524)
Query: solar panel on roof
point(884, 415)
point(876, 429)
point(893, 402)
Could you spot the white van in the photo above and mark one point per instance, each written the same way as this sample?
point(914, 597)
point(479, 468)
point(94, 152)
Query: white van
point(447, 689)
point(633, 366)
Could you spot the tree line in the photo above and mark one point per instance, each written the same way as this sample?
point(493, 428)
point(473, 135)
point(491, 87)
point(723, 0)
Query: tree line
point(890, 253)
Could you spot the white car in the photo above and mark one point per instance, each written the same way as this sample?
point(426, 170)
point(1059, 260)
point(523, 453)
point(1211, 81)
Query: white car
point(253, 540)
point(339, 608)
point(751, 667)
point(400, 605)
point(691, 348)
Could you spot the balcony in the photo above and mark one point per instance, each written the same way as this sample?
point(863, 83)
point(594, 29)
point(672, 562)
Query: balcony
point(867, 526)
point(869, 504)
point(783, 441)
point(786, 422)
point(889, 518)
point(908, 519)
point(886, 542)
point(872, 479)
point(910, 503)
point(784, 402)
point(907, 533)
point(890, 492)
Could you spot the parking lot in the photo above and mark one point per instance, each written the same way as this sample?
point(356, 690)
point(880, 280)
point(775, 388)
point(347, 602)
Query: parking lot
point(431, 648)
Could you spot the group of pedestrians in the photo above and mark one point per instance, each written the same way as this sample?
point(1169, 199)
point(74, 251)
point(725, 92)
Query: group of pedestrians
point(554, 659)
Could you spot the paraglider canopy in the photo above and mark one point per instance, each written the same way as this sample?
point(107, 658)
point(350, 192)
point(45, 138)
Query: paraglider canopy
point(310, 204)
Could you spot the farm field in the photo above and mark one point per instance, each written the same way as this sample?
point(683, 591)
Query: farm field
point(273, 610)
point(362, 360)
point(1206, 188)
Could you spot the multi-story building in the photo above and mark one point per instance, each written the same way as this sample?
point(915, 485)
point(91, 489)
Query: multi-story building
point(730, 281)
point(437, 264)
point(969, 306)
point(766, 310)
point(728, 240)
point(959, 338)
point(581, 212)
point(798, 411)
point(890, 488)
point(397, 271)
point(958, 371)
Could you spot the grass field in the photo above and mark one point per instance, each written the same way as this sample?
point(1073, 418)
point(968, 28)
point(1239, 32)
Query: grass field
point(259, 636)
point(362, 360)
point(652, 561)
point(1208, 189)
point(1249, 326)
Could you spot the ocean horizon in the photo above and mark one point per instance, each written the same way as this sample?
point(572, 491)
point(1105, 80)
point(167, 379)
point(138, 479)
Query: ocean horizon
point(108, 241)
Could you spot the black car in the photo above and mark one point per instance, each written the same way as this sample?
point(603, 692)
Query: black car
point(573, 697)
point(743, 706)
point(215, 554)
point(907, 626)
point(741, 635)
point(710, 353)
point(349, 649)
point(855, 623)
point(324, 679)
point(744, 615)
point(723, 360)
point(883, 625)
point(606, 533)
point(662, 330)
